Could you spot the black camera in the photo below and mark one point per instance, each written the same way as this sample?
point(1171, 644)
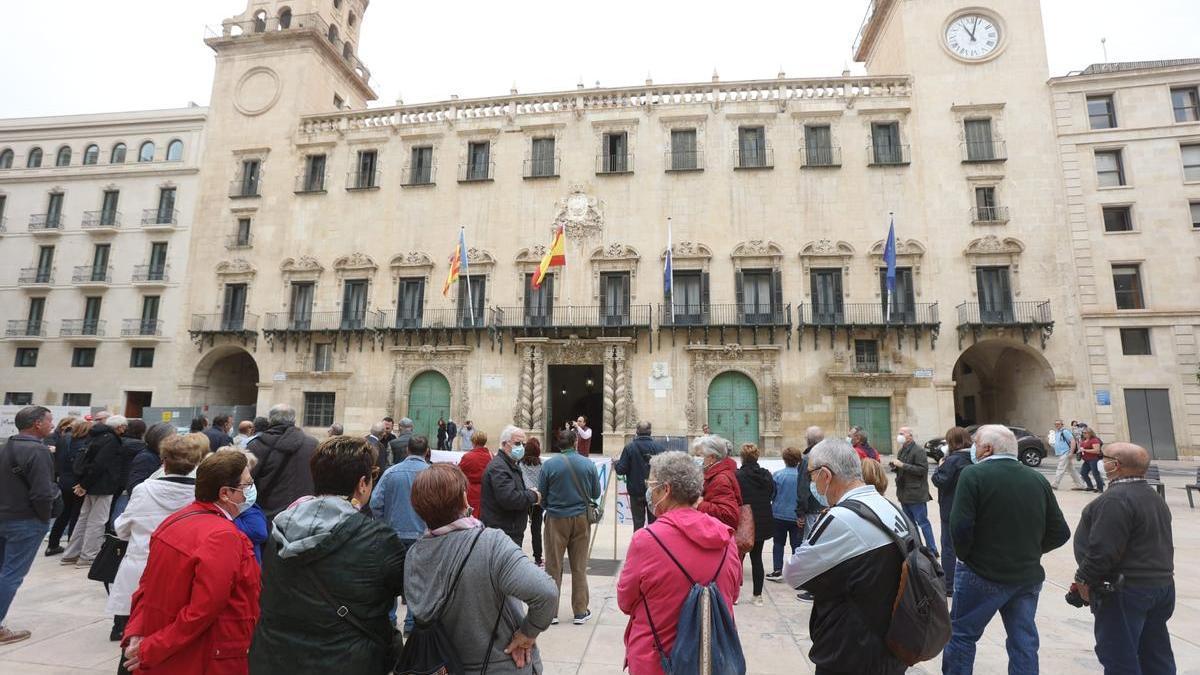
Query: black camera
point(1074, 599)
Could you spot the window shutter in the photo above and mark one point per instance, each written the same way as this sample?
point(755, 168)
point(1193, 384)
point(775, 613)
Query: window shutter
point(704, 296)
point(837, 290)
point(777, 295)
point(739, 295)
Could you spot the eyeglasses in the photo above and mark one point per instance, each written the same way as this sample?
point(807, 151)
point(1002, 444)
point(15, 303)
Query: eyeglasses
point(812, 471)
point(1109, 458)
point(242, 487)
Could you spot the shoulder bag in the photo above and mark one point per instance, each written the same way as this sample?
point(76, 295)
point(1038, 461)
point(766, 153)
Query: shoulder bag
point(56, 506)
point(394, 647)
point(594, 512)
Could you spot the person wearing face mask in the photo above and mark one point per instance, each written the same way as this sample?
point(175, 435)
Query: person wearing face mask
point(911, 465)
point(196, 605)
point(331, 574)
point(722, 498)
point(960, 455)
point(503, 496)
point(651, 589)
point(569, 482)
point(252, 522)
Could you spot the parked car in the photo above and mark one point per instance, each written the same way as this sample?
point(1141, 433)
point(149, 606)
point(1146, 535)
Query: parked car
point(1031, 449)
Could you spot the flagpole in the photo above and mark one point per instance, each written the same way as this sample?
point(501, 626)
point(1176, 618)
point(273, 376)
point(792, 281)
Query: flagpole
point(671, 255)
point(463, 265)
point(890, 282)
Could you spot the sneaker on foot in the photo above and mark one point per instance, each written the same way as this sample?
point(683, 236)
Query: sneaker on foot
point(54, 550)
point(554, 621)
point(68, 561)
point(775, 576)
point(581, 619)
point(83, 564)
point(758, 601)
point(7, 636)
point(804, 596)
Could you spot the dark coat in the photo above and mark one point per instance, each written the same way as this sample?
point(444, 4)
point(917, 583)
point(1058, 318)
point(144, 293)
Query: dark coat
point(758, 490)
point(634, 463)
point(451, 434)
point(217, 439)
point(282, 474)
point(142, 467)
point(64, 459)
point(130, 449)
point(806, 503)
point(912, 476)
point(398, 447)
point(504, 497)
point(102, 462)
point(946, 480)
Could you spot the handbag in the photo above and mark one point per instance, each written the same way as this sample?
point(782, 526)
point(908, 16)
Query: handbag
point(594, 512)
point(745, 530)
point(108, 560)
point(395, 646)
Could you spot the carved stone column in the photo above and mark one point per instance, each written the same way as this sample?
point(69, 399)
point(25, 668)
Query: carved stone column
point(621, 395)
point(525, 395)
point(537, 407)
point(610, 378)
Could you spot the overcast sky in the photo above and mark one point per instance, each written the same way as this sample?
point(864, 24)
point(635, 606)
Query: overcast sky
point(81, 56)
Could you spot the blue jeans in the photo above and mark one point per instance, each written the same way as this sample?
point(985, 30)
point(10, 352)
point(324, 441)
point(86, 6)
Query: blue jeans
point(118, 507)
point(783, 530)
point(1131, 631)
point(949, 561)
point(976, 601)
point(1092, 466)
point(408, 615)
point(19, 543)
point(920, 515)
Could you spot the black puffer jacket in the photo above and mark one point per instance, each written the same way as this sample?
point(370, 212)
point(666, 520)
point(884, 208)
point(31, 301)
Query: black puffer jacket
point(102, 463)
point(282, 475)
point(130, 449)
point(504, 498)
point(758, 490)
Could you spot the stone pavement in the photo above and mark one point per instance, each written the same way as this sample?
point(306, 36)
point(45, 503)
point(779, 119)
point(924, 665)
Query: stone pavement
point(70, 630)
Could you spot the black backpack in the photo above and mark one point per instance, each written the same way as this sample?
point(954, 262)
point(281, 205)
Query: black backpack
point(920, 625)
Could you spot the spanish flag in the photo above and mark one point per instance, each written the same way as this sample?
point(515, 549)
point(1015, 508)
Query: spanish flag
point(555, 257)
point(458, 261)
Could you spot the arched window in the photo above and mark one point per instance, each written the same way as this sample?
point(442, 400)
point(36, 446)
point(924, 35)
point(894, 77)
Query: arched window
point(118, 154)
point(285, 19)
point(260, 21)
point(35, 159)
point(64, 156)
point(6, 159)
point(92, 154)
point(333, 34)
point(175, 151)
point(352, 19)
point(348, 51)
point(146, 152)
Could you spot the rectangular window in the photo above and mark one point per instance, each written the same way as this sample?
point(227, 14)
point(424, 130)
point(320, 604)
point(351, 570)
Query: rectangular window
point(752, 147)
point(411, 303)
point(683, 150)
point(243, 232)
point(45, 266)
point(979, 140)
point(1102, 114)
point(368, 162)
point(18, 398)
point(158, 261)
point(108, 207)
point(3, 204)
point(420, 172)
point(83, 357)
point(479, 160)
point(37, 309)
point(318, 408)
point(1127, 283)
point(233, 316)
point(26, 357)
point(904, 308)
point(54, 210)
point(1186, 102)
point(100, 256)
point(539, 302)
point(314, 174)
point(91, 316)
point(615, 153)
point(1191, 162)
point(323, 357)
point(1110, 169)
point(541, 158)
point(251, 169)
point(689, 298)
point(757, 296)
point(166, 206)
point(300, 309)
point(986, 210)
point(885, 143)
point(472, 290)
point(1135, 341)
point(149, 321)
point(826, 293)
point(141, 357)
point(866, 356)
point(818, 146)
point(1194, 207)
point(77, 400)
point(1118, 219)
point(614, 298)
point(354, 304)
point(995, 295)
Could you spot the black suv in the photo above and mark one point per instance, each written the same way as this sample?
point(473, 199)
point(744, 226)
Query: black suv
point(1031, 449)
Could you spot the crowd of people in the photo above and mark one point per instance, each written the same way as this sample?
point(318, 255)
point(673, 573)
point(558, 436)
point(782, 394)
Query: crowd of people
point(270, 550)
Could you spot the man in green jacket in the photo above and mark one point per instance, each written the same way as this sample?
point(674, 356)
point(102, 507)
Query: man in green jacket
point(1005, 517)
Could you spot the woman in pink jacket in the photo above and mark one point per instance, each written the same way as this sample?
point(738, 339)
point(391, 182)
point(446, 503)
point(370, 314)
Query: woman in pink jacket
point(702, 545)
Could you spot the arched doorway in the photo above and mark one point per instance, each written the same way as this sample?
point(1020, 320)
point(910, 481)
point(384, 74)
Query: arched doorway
point(428, 401)
point(1000, 382)
point(733, 408)
point(227, 376)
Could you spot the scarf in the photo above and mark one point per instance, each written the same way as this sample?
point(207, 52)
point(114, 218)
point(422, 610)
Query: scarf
point(464, 523)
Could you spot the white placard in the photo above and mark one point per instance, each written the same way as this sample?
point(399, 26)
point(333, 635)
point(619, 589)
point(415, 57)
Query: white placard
point(279, 377)
point(493, 382)
point(923, 373)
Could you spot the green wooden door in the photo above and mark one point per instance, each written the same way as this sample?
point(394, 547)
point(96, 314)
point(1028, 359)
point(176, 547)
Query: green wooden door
point(428, 401)
point(874, 415)
point(733, 408)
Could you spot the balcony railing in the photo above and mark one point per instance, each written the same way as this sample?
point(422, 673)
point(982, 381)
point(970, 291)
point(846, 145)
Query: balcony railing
point(25, 328)
point(430, 319)
point(754, 158)
point(282, 322)
point(241, 188)
point(607, 163)
point(680, 316)
point(222, 323)
point(1035, 313)
point(684, 160)
point(44, 222)
point(476, 172)
point(35, 276)
point(101, 220)
point(820, 156)
point(307, 183)
point(889, 155)
point(162, 217)
point(143, 274)
point(633, 316)
point(989, 214)
point(545, 167)
point(984, 151)
point(869, 314)
point(82, 328)
point(89, 274)
point(141, 328)
point(414, 176)
point(364, 180)
point(235, 241)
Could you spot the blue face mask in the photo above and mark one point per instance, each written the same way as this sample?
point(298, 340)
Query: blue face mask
point(812, 487)
point(974, 459)
point(517, 452)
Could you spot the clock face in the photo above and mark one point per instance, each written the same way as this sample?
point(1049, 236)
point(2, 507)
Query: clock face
point(973, 36)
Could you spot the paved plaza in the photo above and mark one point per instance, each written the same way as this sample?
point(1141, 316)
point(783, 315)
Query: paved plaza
point(65, 611)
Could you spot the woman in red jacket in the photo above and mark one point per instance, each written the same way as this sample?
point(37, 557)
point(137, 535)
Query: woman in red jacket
point(722, 497)
point(196, 606)
point(473, 464)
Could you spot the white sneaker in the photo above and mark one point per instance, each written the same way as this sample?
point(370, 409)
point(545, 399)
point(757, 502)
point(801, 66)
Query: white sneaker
point(758, 601)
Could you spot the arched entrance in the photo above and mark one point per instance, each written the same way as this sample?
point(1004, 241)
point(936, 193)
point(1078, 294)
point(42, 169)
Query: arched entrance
point(733, 408)
point(227, 376)
point(1000, 382)
point(428, 401)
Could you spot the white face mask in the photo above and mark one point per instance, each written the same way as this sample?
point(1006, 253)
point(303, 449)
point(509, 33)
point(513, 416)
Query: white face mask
point(900, 439)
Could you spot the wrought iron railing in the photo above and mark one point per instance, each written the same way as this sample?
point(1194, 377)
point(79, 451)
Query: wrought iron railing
point(101, 220)
point(820, 156)
point(762, 157)
point(364, 180)
point(150, 273)
point(866, 363)
point(35, 276)
point(301, 322)
point(419, 175)
point(241, 187)
point(239, 241)
point(82, 328)
point(26, 328)
point(428, 319)
point(869, 314)
point(311, 182)
point(45, 222)
point(141, 327)
point(989, 214)
point(611, 163)
point(684, 160)
point(225, 323)
point(91, 274)
point(543, 167)
point(889, 155)
point(476, 172)
point(160, 217)
point(683, 315)
point(632, 316)
point(984, 151)
point(1030, 312)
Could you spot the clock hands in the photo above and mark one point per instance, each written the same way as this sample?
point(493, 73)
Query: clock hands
point(972, 29)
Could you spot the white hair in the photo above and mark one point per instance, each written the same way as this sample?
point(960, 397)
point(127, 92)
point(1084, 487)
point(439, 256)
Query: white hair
point(116, 421)
point(711, 445)
point(282, 413)
point(814, 435)
point(377, 429)
point(681, 473)
point(836, 455)
point(507, 434)
point(1001, 439)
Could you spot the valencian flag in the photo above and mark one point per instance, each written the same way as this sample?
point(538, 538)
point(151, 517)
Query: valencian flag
point(555, 257)
point(458, 261)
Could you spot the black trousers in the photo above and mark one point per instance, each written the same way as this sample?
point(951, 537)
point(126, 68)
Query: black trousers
point(535, 531)
point(641, 511)
point(65, 522)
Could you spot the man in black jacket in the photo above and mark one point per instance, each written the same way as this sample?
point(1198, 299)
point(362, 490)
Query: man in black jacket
point(1123, 542)
point(282, 475)
point(398, 446)
point(218, 433)
point(27, 493)
point(99, 479)
point(634, 465)
point(911, 465)
point(504, 497)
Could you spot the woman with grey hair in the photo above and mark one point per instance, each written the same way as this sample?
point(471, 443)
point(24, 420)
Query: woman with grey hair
point(681, 546)
point(722, 494)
